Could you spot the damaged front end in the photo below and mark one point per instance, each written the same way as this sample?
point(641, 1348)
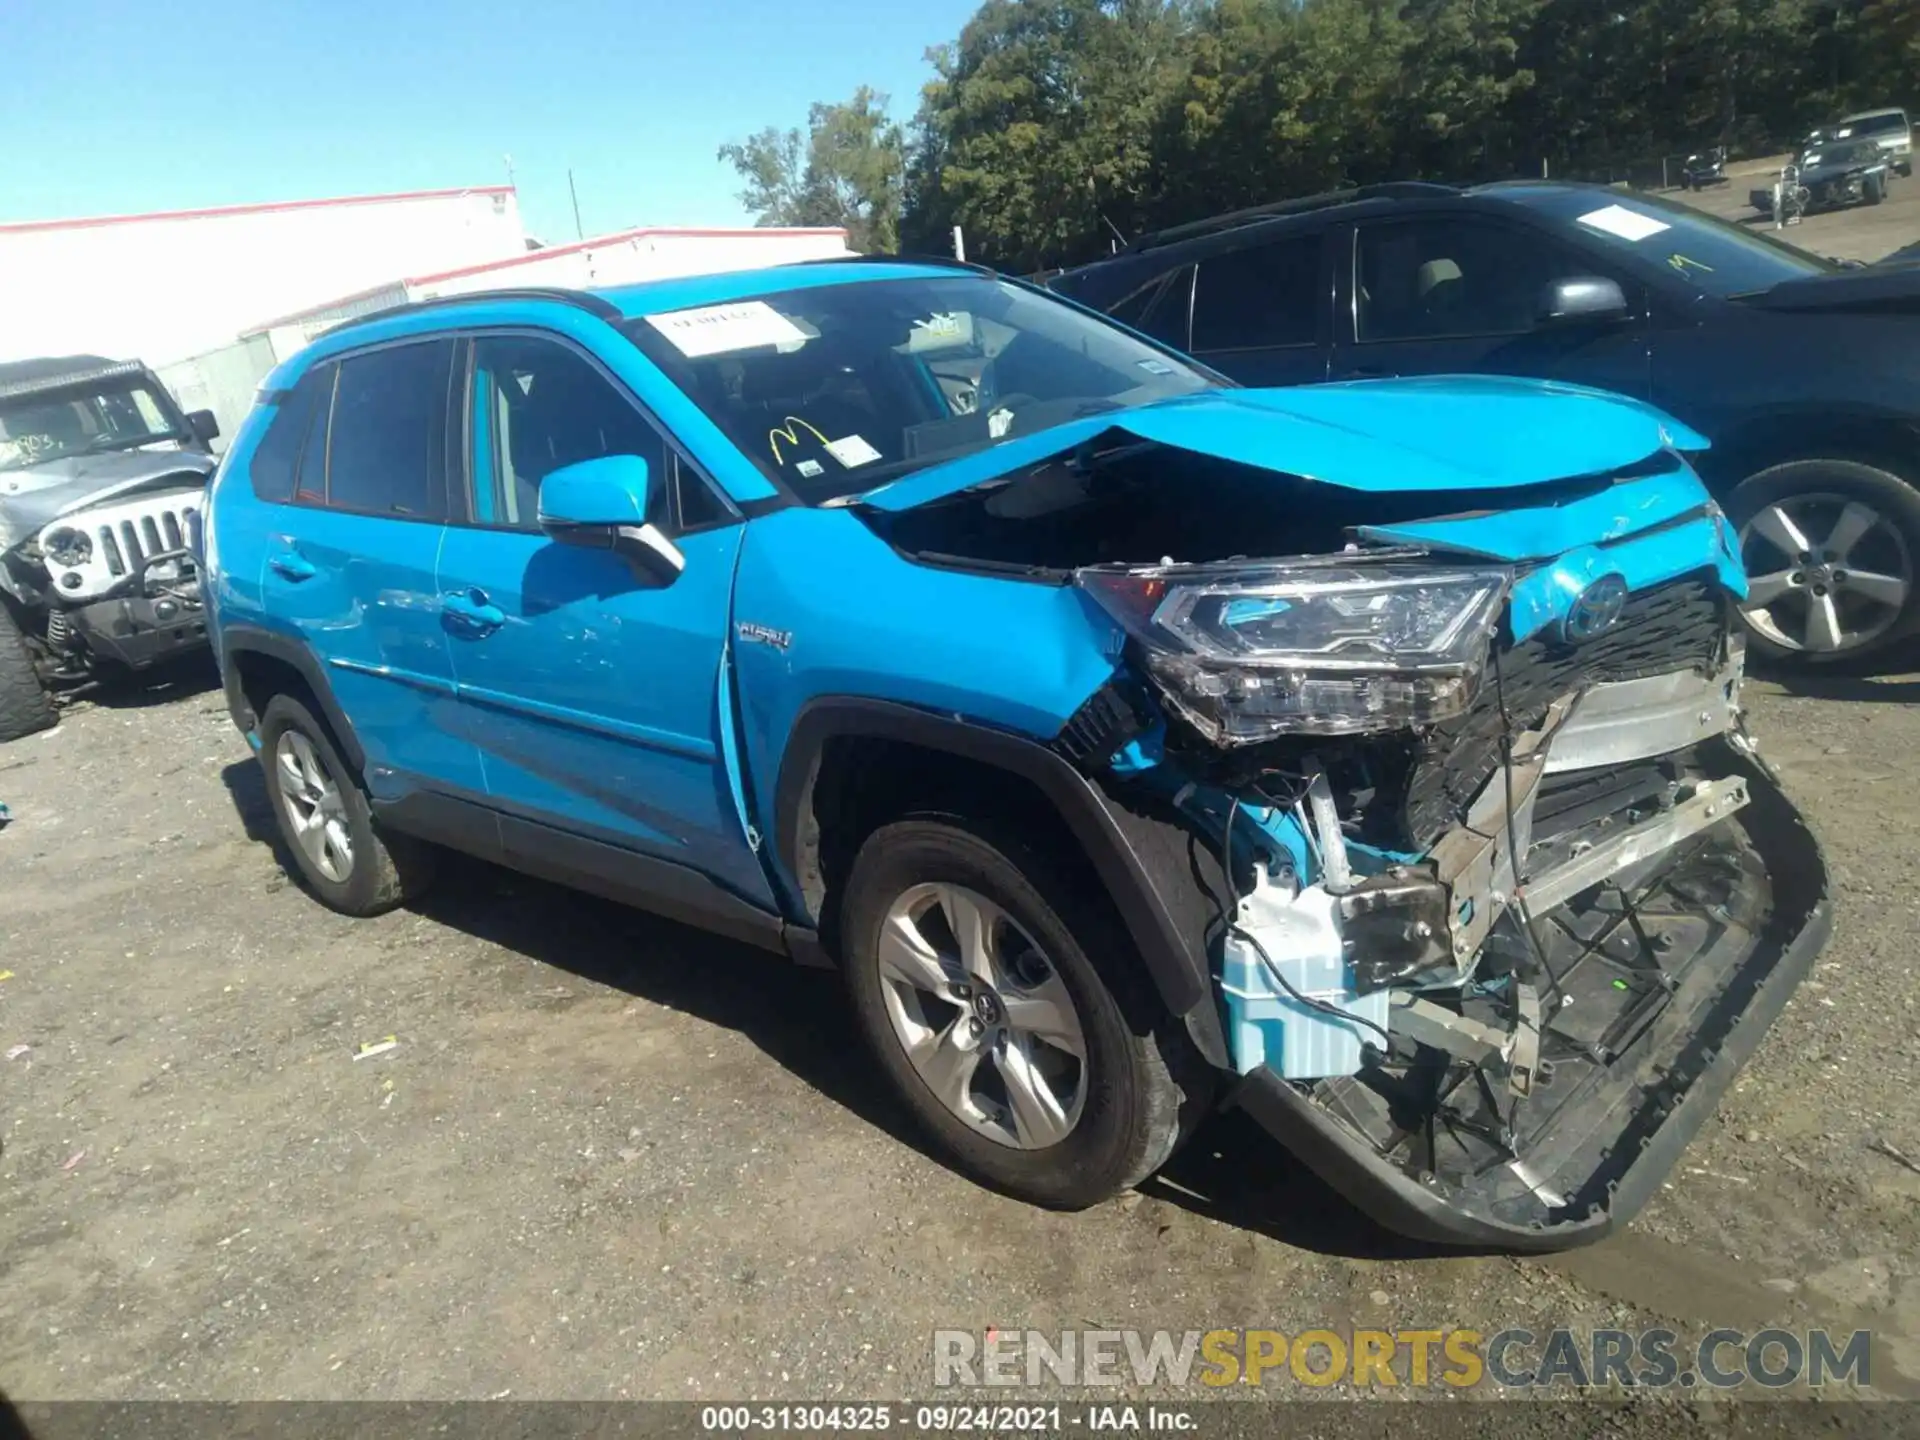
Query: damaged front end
point(1498, 893)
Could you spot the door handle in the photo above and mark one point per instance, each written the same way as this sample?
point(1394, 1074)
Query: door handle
point(291, 565)
point(470, 612)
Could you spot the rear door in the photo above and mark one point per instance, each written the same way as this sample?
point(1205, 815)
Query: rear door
point(1460, 293)
point(1261, 311)
point(351, 555)
point(596, 699)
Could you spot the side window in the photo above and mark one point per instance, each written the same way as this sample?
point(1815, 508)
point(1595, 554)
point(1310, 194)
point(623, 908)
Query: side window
point(537, 406)
point(277, 455)
point(313, 455)
point(1259, 297)
point(1452, 275)
point(386, 452)
point(1159, 308)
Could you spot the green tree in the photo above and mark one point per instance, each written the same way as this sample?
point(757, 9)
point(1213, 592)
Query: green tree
point(1035, 135)
point(847, 170)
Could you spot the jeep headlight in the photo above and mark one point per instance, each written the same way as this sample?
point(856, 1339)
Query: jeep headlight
point(67, 547)
point(1250, 651)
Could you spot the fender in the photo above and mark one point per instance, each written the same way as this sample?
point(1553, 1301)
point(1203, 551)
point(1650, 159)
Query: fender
point(1175, 962)
point(253, 639)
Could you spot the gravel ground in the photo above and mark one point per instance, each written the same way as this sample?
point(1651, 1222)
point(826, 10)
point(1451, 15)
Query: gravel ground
point(609, 1157)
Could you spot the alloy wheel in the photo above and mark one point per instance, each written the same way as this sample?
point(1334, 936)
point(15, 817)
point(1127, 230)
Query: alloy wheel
point(983, 1015)
point(314, 806)
point(1826, 573)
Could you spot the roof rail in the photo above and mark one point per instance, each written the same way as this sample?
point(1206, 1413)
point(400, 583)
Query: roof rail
point(580, 299)
point(946, 262)
point(1300, 205)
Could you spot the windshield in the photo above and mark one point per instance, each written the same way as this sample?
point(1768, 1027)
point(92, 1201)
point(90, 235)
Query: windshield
point(81, 420)
point(1888, 124)
point(1841, 152)
point(835, 389)
point(1714, 256)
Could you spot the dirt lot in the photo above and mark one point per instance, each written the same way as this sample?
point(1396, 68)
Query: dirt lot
point(611, 1157)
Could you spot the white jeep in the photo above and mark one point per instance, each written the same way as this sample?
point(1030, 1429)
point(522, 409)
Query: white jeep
point(101, 478)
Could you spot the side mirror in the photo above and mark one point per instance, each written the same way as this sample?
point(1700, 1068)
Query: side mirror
point(602, 505)
point(204, 427)
point(1583, 300)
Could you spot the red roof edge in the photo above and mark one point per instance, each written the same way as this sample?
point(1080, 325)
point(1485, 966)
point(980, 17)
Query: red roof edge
point(16, 227)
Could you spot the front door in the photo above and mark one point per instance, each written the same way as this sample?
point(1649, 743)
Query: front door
point(1457, 294)
point(596, 699)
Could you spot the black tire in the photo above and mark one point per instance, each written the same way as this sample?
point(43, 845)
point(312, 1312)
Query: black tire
point(386, 870)
point(1145, 1086)
point(1883, 491)
point(1875, 189)
point(25, 706)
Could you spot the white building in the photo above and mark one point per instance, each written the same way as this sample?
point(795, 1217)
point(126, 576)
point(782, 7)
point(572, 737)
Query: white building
point(223, 380)
point(166, 286)
point(212, 299)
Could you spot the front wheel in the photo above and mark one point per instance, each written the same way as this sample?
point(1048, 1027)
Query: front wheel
point(25, 706)
point(970, 961)
point(1830, 548)
point(324, 819)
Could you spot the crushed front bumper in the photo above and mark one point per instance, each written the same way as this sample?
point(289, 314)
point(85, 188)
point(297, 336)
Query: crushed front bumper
point(138, 630)
point(1616, 1147)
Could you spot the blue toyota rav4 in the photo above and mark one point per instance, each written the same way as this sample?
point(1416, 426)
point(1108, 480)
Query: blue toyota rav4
point(1368, 756)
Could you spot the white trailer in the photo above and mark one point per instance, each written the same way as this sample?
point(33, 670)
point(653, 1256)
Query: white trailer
point(162, 287)
point(224, 380)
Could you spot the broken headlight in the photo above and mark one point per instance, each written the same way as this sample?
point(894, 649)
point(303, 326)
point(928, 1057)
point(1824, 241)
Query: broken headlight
point(1250, 651)
point(67, 547)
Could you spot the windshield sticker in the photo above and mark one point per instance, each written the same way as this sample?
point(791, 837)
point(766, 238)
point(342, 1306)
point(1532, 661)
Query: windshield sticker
point(1627, 224)
point(789, 430)
point(808, 469)
point(722, 329)
point(940, 332)
point(1155, 367)
point(852, 451)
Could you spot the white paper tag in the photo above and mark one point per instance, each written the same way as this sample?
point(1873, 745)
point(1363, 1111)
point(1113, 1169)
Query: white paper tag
point(852, 451)
point(1627, 224)
point(718, 329)
point(999, 422)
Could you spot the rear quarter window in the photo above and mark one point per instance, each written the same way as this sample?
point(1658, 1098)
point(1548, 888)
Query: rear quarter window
point(276, 460)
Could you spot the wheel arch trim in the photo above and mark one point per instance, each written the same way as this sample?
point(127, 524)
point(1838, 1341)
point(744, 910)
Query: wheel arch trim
point(1176, 966)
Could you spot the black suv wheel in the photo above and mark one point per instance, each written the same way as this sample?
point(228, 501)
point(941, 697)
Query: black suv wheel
point(1830, 548)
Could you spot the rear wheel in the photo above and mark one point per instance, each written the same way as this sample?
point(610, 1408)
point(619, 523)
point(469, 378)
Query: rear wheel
point(971, 964)
point(25, 706)
point(324, 819)
point(1830, 548)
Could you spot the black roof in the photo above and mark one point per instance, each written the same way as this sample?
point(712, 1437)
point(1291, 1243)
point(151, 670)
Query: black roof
point(1235, 219)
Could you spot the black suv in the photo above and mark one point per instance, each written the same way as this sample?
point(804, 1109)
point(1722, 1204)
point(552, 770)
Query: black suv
point(1804, 372)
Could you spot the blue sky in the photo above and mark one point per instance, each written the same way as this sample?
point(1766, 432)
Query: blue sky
point(115, 106)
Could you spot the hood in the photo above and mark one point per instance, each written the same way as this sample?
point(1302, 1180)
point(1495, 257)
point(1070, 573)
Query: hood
point(1886, 289)
point(34, 497)
point(1446, 434)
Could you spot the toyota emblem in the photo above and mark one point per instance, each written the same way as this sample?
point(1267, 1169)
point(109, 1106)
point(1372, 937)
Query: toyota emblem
point(1595, 609)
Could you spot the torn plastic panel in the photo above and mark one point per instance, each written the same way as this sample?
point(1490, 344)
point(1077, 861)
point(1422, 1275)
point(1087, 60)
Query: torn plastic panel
point(1493, 1037)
